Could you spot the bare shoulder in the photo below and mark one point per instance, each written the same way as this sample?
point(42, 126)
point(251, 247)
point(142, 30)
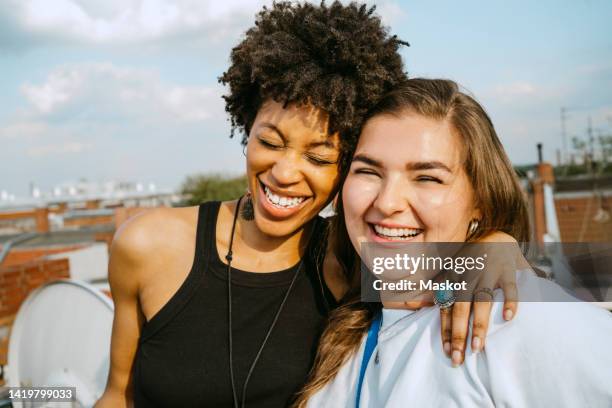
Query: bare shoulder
point(497, 236)
point(149, 238)
point(147, 230)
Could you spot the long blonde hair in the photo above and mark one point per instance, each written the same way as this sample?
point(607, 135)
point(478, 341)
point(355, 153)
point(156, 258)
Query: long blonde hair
point(497, 193)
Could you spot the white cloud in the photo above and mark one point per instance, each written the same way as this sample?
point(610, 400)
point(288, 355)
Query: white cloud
point(125, 22)
point(191, 104)
point(100, 91)
point(129, 20)
point(102, 120)
point(515, 89)
point(70, 147)
point(390, 12)
point(79, 108)
point(22, 129)
point(60, 87)
point(523, 94)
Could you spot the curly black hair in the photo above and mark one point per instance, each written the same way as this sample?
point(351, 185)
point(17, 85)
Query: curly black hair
point(337, 58)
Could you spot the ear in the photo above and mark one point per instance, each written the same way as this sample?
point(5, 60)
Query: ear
point(476, 214)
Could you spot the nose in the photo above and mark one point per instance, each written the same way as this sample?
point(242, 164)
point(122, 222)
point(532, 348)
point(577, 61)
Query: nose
point(392, 197)
point(286, 170)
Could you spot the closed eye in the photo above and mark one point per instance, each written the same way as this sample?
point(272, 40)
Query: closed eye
point(319, 161)
point(366, 170)
point(429, 179)
point(269, 144)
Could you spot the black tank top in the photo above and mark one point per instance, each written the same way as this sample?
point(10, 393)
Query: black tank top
point(183, 356)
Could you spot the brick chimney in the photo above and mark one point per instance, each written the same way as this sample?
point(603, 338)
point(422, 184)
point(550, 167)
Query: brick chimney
point(42, 219)
point(544, 175)
point(92, 204)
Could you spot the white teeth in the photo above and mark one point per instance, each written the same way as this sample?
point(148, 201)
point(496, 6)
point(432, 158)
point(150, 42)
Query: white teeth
point(279, 201)
point(401, 233)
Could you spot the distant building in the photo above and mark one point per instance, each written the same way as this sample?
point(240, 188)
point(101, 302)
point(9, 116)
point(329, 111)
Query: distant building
point(584, 208)
point(81, 195)
point(570, 209)
point(572, 231)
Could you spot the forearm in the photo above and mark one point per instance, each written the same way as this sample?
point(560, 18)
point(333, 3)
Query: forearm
point(115, 399)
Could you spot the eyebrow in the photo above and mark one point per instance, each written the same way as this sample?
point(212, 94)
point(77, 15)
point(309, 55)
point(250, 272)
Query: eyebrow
point(367, 160)
point(326, 143)
point(429, 165)
point(425, 165)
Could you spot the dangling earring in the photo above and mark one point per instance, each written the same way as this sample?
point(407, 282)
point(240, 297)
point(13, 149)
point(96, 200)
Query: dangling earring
point(247, 212)
point(472, 227)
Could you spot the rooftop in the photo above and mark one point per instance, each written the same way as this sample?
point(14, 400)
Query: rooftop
point(63, 237)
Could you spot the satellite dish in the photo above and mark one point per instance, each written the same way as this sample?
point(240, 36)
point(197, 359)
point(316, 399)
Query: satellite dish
point(61, 337)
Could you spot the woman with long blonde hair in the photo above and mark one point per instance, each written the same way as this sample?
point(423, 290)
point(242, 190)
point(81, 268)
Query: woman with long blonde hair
point(428, 168)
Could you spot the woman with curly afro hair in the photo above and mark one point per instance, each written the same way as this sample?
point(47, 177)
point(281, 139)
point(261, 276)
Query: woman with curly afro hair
point(222, 304)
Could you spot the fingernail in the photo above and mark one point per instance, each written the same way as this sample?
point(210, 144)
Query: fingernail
point(476, 344)
point(447, 348)
point(508, 314)
point(456, 358)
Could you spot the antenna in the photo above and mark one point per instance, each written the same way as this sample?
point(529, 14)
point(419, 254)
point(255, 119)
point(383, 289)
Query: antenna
point(540, 158)
point(564, 134)
point(591, 145)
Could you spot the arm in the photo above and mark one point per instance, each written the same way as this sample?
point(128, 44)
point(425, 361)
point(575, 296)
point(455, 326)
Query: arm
point(455, 321)
point(124, 266)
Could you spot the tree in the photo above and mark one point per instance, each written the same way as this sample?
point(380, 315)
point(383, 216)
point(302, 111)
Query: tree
point(207, 187)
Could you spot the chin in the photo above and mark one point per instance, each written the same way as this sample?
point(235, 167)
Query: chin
point(277, 229)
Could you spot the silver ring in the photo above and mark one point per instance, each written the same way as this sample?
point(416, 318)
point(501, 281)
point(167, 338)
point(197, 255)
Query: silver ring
point(487, 291)
point(444, 298)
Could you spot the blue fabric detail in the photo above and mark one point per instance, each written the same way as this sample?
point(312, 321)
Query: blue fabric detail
point(370, 346)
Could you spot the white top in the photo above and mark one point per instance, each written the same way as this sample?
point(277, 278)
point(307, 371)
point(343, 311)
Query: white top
point(550, 355)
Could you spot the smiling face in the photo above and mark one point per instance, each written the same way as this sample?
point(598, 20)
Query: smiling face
point(407, 183)
point(291, 166)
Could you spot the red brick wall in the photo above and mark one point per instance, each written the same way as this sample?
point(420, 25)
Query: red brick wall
point(19, 256)
point(89, 221)
point(16, 283)
point(40, 216)
point(576, 223)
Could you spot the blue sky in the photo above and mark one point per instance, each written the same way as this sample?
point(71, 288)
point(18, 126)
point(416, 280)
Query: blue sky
point(127, 90)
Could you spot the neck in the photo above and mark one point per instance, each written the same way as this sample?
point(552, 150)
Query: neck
point(258, 252)
point(252, 236)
